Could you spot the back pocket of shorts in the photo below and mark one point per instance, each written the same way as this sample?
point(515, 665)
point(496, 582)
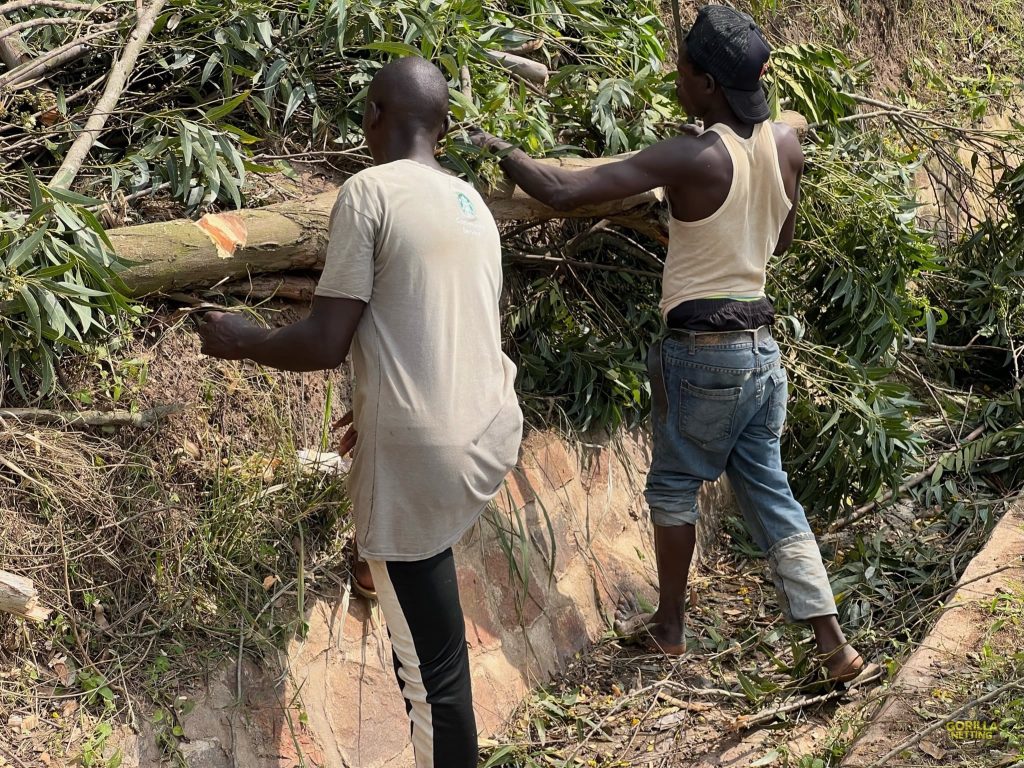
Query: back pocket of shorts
point(706, 416)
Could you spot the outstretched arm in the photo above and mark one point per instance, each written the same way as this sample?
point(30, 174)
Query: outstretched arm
point(659, 165)
point(319, 341)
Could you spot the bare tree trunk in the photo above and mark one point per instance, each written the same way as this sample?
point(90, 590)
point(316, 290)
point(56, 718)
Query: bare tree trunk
point(18, 596)
point(116, 83)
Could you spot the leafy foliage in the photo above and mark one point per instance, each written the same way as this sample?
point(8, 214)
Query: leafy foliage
point(58, 286)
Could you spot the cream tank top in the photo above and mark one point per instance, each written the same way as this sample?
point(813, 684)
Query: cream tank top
point(724, 256)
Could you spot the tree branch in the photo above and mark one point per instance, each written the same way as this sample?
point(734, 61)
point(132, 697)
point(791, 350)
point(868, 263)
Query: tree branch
point(59, 5)
point(15, 29)
point(92, 418)
point(22, 75)
point(116, 84)
point(911, 482)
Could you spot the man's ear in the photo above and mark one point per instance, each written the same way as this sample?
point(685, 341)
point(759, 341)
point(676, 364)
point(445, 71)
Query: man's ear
point(709, 83)
point(373, 114)
point(446, 126)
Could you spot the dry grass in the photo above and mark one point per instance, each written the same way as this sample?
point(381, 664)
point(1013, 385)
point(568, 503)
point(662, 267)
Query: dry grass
point(160, 551)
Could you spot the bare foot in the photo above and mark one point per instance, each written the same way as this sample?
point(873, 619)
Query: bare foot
point(662, 639)
point(630, 625)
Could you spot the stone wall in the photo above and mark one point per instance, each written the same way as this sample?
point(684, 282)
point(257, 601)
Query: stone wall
point(576, 526)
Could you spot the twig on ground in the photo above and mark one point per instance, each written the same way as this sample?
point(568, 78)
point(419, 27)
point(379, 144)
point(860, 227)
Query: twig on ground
point(692, 706)
point(92, 418)
point(769, 714)
point(916, 738)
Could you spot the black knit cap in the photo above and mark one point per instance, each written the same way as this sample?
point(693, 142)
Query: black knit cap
point(728, 45)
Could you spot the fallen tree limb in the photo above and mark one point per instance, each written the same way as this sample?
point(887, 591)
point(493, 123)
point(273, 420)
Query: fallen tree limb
point(18, 596)
point(911, 482)
point(13, 54)
point(24, 74)
point(116, 83)
point(15, 29)
point(92, 418)
point(59, 5)
point(293, 236)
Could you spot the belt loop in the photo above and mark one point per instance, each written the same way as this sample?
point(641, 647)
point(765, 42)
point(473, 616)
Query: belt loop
point(693, 342)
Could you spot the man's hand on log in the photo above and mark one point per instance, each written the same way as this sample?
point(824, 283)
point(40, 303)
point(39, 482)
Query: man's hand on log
point(224, 335)
point(693, 129)
point(484, 140)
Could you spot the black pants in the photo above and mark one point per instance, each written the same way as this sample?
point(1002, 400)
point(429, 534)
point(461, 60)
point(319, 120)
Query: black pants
point(420, 602)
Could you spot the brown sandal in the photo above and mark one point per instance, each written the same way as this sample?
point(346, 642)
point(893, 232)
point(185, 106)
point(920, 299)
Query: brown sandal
point(854, 673)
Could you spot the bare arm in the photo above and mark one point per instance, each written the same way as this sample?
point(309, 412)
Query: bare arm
point(319, 341)
point(790, 153)
point(663, 164)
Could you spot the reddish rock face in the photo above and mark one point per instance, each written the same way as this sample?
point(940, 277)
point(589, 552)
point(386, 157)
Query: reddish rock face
point(580, 538)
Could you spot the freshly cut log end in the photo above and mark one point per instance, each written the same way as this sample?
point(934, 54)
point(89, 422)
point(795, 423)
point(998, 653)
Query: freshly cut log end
point(18, 596)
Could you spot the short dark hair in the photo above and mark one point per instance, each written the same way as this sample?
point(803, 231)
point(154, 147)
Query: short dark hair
point(413, 88)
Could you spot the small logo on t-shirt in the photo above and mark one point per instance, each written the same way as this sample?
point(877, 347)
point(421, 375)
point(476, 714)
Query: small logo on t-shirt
point(466, 206)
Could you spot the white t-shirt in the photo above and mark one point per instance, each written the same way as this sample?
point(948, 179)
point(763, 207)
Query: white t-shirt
point(435, 408)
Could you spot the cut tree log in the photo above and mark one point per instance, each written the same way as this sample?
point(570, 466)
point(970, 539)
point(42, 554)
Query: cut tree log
point(290, 236)
point(116, 83)
point(18, 596)
point(165, 256)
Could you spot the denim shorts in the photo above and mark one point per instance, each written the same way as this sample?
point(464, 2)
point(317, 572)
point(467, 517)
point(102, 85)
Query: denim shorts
point(719, 406)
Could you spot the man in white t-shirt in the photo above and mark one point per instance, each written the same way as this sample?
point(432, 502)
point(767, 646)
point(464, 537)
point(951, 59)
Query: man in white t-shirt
point(412, 281)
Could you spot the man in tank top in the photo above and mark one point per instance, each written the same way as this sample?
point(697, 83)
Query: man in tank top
point(719, 391)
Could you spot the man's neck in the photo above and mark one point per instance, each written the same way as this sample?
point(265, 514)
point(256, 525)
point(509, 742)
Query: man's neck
point(417, 148)
point(725, 116)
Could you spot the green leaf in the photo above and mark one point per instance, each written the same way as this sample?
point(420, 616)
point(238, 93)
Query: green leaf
point(32, 308)
point(26, 248)
point(225, 109)
point(73, 198)
point(295, 98)
point(393, 48)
